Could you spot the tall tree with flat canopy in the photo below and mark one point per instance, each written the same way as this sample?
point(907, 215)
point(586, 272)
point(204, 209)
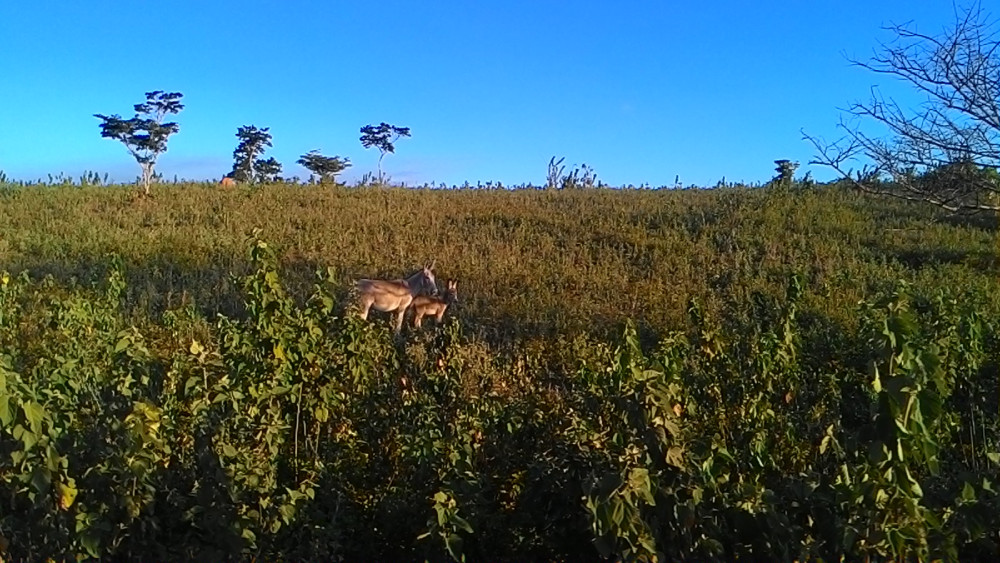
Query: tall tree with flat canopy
point(145, 135)
point(947, 151)
point(383, 138)
point(325, 168)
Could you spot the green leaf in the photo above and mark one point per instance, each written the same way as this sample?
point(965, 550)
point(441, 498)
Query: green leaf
point(675, 456)
point(287, 512)
point(6, 417)
point(617, 510)
point(461, 523)
point(648, 374)
point(34, 414)
point(90, 542)
point(41, 478)
point(453, 542)
point(639, 482)
point(968, 493)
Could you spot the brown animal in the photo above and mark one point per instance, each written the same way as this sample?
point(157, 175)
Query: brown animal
point(228, 181)
point(434, 306)
point(395, 295)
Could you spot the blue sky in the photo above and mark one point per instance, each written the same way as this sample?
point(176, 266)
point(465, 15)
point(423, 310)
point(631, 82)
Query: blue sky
point(641, 91)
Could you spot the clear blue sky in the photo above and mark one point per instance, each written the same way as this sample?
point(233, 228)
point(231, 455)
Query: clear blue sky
point(642, 91)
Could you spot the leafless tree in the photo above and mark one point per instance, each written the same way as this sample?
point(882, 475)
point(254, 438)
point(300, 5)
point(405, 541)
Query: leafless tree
point(947, 150)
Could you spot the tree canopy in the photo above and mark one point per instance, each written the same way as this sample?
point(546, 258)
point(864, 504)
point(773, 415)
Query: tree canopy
point(145, 134)
point(248, 164)
point(325, 168)
point(383, 137)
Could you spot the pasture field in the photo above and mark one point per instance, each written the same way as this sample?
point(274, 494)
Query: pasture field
point(675, 375)
point(532, 263)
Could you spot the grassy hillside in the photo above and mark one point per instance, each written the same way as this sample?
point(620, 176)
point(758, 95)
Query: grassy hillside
point(710, 375)
point(530, 263)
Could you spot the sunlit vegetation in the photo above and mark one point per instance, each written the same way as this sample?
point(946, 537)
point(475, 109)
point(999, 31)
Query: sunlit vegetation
point(732, 374)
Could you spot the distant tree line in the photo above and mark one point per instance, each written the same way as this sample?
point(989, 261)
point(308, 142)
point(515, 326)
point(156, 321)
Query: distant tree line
point(946, 152)
point(145, 136)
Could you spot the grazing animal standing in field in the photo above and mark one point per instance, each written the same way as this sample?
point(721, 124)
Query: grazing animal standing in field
point(395, 295)
point(227, 181)
point(435, 306)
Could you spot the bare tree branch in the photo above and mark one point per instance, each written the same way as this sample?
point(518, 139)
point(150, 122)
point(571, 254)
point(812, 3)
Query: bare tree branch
point(946, 151)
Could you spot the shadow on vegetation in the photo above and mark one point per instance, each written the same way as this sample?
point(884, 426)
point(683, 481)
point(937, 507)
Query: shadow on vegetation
point(921, 215)
point(201, 527)
point(984, 221)
point(165, 282)
point(917, 259)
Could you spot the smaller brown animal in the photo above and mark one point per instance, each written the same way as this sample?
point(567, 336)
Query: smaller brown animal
point(424, 305)
point(228, 181)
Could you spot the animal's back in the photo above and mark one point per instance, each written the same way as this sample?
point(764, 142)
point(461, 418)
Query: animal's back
point(397, 287)
point(425, 300)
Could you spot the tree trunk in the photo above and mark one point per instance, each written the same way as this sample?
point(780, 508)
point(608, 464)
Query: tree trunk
point(147, 176)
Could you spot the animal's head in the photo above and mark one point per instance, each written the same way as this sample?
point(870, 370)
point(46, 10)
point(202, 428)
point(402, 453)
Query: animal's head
point(453, 291)
point(429, 283)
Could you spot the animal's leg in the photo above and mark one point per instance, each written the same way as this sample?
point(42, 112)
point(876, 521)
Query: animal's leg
point(417, 319)
point(403, 305)
point(366, 304)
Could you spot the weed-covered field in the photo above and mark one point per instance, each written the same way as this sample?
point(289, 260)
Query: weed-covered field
point(691, 375)
point(531, 263)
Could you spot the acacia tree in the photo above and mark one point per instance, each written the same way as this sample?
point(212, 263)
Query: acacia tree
point(145, 134)
point(248, 164)
point(957, 128)
point(383, 138)
point(325, 168)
